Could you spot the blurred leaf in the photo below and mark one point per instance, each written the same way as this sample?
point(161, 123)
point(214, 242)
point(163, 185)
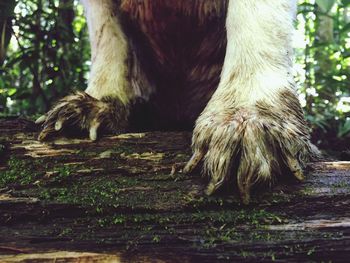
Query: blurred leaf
point(11, 92)
point(345, 2)
point(344, 129)
point(346, 28)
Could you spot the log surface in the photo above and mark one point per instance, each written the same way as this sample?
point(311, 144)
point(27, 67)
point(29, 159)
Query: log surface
point(124, 199)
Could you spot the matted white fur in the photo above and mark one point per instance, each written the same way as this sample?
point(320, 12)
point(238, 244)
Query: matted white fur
point(258, 58)
point(109, 52)
point(254, 116)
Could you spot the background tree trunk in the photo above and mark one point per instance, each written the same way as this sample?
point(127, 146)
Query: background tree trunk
point(6, 13)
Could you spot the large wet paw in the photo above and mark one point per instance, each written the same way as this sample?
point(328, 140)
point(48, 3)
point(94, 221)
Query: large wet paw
point(254, 144)
point(81, 112)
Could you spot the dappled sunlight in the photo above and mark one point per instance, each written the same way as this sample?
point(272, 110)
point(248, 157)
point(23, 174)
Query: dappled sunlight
point(344, 105)
point(322, 66)
point(62, 256)
point(338, 165)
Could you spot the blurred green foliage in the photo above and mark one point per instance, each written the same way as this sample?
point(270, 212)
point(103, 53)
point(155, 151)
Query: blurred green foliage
point(48, 57)
point(324, 67)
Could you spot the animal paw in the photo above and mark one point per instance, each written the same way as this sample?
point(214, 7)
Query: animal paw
point(81, 112)
point(254, 144)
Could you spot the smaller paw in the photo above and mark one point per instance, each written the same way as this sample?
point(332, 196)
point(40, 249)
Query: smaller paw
point(254, 145)
point(81, 112)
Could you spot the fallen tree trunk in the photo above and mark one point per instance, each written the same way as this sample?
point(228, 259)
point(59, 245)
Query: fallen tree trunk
point(123, 198)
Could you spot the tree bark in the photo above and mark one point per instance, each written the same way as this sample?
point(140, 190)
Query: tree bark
point(124, 198)
point(6, 14)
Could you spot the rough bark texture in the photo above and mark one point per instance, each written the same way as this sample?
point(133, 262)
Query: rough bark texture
point(122, 198)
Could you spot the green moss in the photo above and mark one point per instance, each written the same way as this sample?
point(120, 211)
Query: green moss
point(342, 184)
point(62, 173)
point(156, 239)
point(65, 232)
point(307, 191)
point(93, 192)
point(272, 198)
point(108, 199)
point(20, 172)
point(215, 219)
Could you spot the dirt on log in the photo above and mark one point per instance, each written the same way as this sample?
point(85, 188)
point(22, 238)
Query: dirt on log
point(124, 199)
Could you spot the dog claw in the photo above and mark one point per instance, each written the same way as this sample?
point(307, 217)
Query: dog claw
point(58, 125)
point(93, 131)
point(41, 119)
point(193, 162)
point(296, 168)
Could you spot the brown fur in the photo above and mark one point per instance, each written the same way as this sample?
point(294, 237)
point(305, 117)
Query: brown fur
point(185, 43)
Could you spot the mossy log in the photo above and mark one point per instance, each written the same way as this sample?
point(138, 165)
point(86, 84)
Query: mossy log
point(125, 199)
